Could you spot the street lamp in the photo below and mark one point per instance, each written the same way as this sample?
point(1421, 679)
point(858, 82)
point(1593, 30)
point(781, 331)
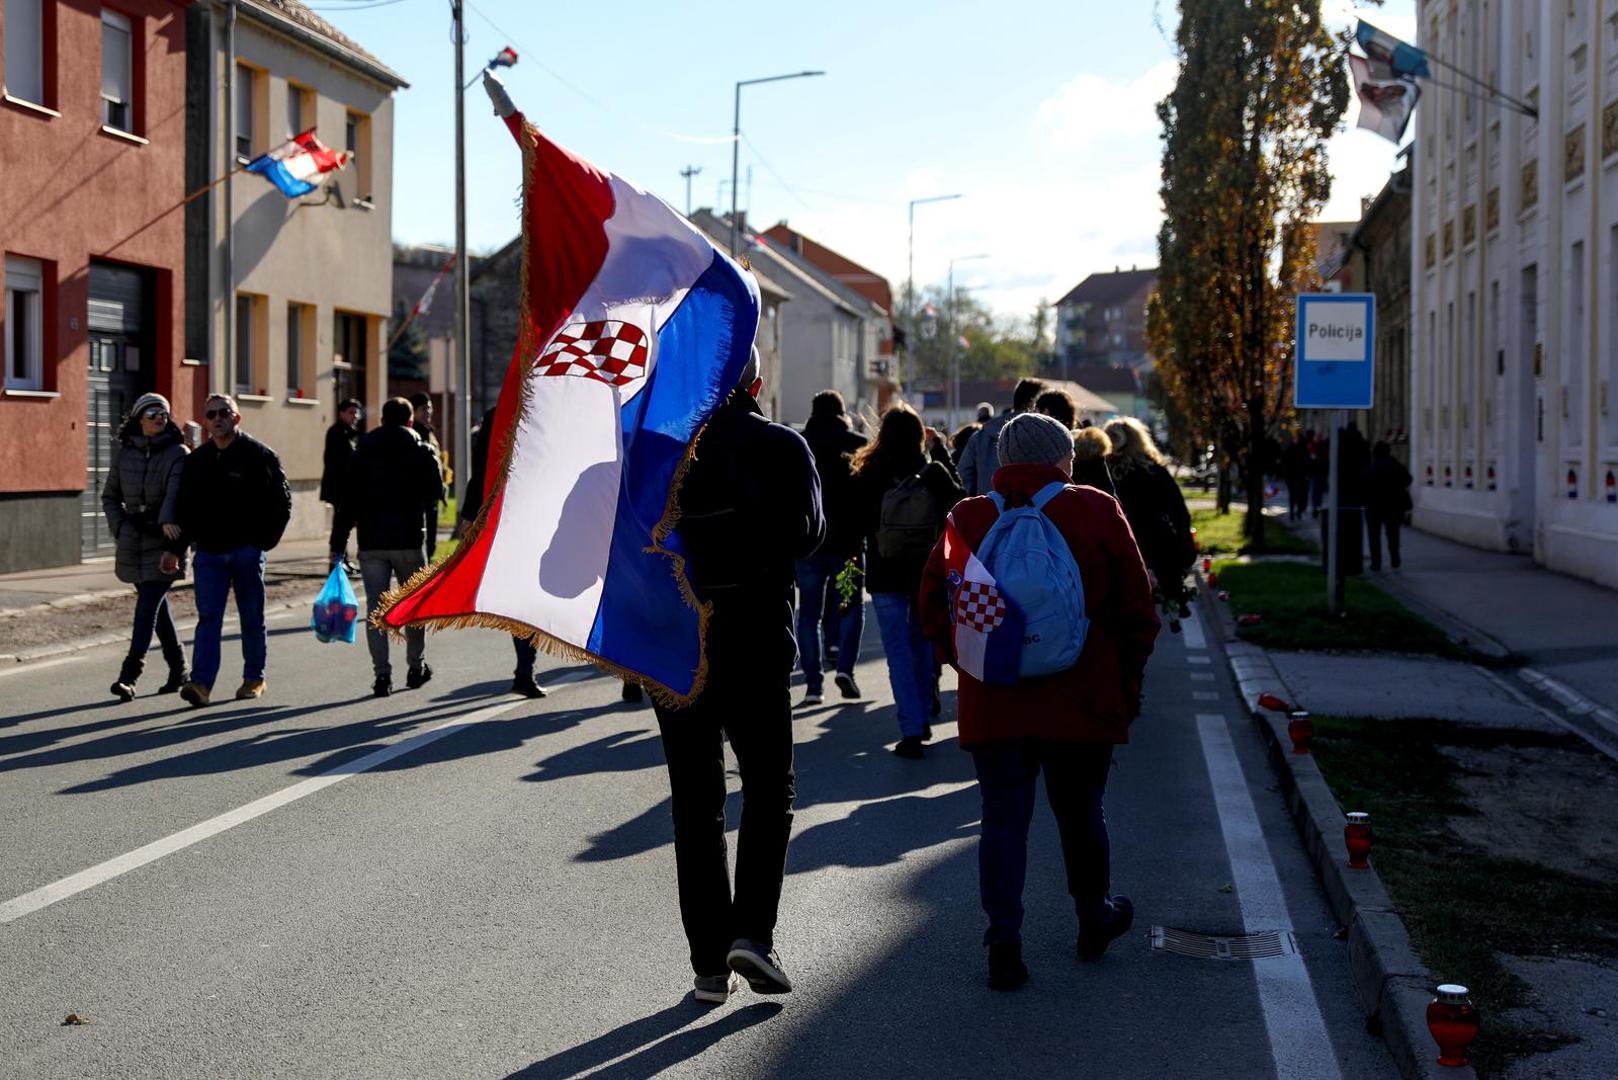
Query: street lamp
point(954, 340)
point(736, 141)
point(910, 276)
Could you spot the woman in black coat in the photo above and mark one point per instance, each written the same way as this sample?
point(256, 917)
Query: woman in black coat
point(1156, 511)
point(139, 499)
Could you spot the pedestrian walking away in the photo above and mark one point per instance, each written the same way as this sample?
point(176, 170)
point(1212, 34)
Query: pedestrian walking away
point(422, 411)
point(1090, 449)
point(141, 500)
point(1157, 513)
point(1387, 501)
point(234, 504)
point(1058, 405)
point(522, 677)
point(341, 438)
point(821, 595)
point(1064, 723)
point(978, 461)
point(391, 478)
point(903, 498)
point(1295, 466)
point(750, 508)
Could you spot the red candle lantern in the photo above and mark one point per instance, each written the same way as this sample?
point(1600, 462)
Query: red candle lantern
point(1453, 1021)
point(1272, 702)
point(1207, 566)
point(1357, 838)
point(1250, 620)
point(1300, 729)
point(1213, 579)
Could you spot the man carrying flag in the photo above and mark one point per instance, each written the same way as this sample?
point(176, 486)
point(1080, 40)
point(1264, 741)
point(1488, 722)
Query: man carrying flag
point(641, 513)
point(1063, 724)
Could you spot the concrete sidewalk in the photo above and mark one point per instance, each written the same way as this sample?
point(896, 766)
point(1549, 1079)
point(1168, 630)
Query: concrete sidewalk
point(94, 580)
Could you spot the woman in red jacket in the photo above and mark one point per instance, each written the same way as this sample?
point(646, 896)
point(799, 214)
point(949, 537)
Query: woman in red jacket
point(1064, 724)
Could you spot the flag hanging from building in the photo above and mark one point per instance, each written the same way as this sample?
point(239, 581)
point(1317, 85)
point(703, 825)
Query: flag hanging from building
point(1387, 100)
point(506, 57)
point(299, 165)
point(633, 330)
point(987, 626)
point(1405, 59)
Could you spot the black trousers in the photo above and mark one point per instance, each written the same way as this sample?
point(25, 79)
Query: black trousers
point(1376, 524)
point(747, 700)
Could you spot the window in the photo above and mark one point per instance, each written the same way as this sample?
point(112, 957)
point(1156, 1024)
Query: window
point(357, 141)
point(349, 338)
point(251, 346)
point(300, 110)
point(117, 71)
point(1573, 369)
point(25, 318)
point(300, 323)
point(25, 50)
point(246, 78)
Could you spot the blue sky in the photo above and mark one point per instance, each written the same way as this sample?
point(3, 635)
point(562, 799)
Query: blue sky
point(1039, 111)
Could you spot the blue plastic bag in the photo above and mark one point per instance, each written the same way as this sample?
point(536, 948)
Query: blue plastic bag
point(336, 610)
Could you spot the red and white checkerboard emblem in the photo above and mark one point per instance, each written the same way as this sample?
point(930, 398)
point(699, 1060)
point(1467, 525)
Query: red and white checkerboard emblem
point(979, 606)
point(607, 350)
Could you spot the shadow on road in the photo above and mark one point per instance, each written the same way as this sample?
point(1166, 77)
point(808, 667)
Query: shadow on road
point(651, 1056)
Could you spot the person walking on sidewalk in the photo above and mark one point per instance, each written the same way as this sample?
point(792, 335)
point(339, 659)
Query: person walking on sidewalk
point(1064, 724)
point(1295, 466)
point(903, 499)
point(422, 406)
point(1090, 449)
point(141, 500)
point(391, 478)
point(1387, 501)
point(832, 441)
point(979, 462)
point(1156, 510)
point(522, 677)
point(234, 505)
point(749, 509)
point(341, 438)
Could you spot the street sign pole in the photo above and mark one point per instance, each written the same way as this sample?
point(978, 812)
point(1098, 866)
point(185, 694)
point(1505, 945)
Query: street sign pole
point(1333, 503)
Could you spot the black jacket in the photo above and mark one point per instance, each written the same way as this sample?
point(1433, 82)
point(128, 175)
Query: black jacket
point(472, 497)
point(899, 575)
point(392, 480)
point(340, 440)
point(1158, 517)
point(1094, 472)
point(749, 506)
point(1387, 488)
point(833, 444)
point(235, 497)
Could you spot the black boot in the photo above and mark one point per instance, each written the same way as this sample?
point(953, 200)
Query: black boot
point(177, 672)
point(124, 688)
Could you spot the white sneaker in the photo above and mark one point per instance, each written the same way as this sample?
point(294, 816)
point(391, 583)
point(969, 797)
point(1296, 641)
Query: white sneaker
point(812, 699)
point(716, 989)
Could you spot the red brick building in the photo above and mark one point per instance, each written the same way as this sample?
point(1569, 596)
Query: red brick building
point(92, 151)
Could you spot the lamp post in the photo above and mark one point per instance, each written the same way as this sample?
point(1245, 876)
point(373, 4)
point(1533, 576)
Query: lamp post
point(736, 141)
point(955, 341)
point(910, 277)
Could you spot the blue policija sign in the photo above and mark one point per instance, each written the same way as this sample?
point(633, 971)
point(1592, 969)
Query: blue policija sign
point(1336, 358)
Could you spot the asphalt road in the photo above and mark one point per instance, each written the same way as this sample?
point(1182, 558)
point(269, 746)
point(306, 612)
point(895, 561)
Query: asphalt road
point(267, 889)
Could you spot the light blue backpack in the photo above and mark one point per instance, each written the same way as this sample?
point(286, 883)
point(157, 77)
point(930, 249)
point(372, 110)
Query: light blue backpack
point(1033, 566)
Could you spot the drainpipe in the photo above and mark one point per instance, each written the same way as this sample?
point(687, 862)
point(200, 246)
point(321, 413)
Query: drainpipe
point(222, 375)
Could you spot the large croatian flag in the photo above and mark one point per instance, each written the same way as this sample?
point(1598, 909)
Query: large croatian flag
point(633, 331)
point(299, 165)
point(988, 627)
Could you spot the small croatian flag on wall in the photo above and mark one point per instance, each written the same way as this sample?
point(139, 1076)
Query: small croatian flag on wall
point(299, 165)
point(988, 626)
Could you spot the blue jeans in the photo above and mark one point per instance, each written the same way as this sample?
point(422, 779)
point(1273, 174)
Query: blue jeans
point(910, 659)
point(217, 575)
point(817, 603)
point(1075, 781)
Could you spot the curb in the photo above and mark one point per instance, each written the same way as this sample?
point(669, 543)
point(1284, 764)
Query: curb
point(64, 648)
point(1392, 985)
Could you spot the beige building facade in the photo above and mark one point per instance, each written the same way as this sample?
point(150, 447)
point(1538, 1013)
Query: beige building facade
point(1514, 284)
point(290, 299)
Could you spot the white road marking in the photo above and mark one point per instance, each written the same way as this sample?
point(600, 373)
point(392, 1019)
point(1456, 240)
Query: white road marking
point(1202, 676)
point(1205, 695)
point(1299, 1043)
point(1198, 660)
point(37, 665)
point(74, 884)
point(1191, 629)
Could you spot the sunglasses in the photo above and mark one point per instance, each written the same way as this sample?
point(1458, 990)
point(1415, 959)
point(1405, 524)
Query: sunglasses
point(214, 414)
point(154, 414)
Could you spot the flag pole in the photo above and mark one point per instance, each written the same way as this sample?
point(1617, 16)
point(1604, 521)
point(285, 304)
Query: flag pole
point(416, 307)
point(1522, 106)
point(463, 312)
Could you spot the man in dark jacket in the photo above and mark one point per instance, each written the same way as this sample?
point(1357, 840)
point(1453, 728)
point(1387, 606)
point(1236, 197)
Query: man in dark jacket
point(423, 427)
point(1387, 500)
point(979, 462)
point(750, 508)
point(391, 478)
point(233, 506)
point(341, 438)
point(833, 444)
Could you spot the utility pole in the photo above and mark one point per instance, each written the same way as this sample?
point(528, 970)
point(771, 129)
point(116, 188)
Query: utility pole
point(463, 309)
point(736, 144)
point(688, 172)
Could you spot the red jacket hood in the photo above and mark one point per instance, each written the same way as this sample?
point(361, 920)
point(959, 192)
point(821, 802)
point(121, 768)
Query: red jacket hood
point(1020, 483)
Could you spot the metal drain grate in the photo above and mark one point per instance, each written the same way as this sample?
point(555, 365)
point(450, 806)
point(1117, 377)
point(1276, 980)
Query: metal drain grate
point(1258, 946)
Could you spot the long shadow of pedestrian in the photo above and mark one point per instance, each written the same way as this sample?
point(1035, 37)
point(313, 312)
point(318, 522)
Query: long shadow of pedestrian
point(652, 1056)
point(622, 751)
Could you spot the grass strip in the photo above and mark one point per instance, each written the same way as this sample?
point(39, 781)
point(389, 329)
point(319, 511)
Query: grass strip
point(1462, 905)
point(1292, 598)
point(1222, 534)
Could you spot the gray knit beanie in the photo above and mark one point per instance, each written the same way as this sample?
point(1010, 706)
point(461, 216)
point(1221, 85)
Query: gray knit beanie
point(150, 399)
point(1034, 439)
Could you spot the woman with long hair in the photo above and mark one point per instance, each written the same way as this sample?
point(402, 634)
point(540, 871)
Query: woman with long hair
point(1156, 511)
point(903, 497)
point(139, 499)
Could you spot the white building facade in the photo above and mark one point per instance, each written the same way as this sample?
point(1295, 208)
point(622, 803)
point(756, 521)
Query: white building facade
point(1514, 278)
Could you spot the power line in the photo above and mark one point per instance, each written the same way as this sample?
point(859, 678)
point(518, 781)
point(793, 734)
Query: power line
point(781, 179)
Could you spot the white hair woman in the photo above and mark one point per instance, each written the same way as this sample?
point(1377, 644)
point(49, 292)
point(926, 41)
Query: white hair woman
point(1156, 511)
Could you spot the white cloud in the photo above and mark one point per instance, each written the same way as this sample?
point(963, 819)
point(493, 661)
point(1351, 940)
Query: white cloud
point(1091, 108)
